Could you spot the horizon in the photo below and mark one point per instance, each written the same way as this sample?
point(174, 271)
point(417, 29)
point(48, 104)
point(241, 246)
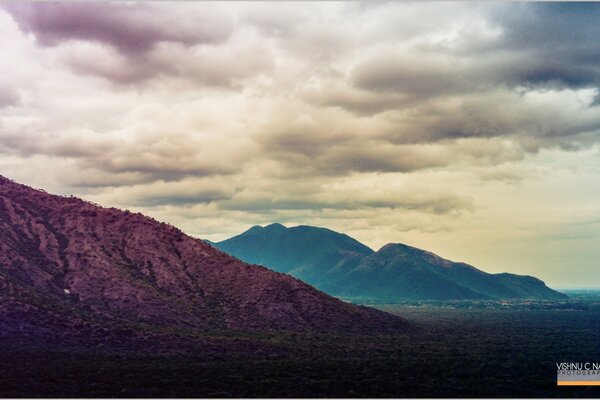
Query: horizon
point(374, 249)
point(469, 130)
point(559, 288)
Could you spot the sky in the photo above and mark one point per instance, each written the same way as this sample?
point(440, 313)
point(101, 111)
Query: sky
point(466, 129)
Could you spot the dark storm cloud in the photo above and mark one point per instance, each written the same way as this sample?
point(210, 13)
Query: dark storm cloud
point(560, 40)
point(506, 84)
point(546, 46)
point(131, 28)
point(550, 26)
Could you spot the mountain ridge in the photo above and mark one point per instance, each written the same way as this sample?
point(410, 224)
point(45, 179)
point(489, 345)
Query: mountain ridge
point(71, 260)
point(393, 273)
point(291, 246)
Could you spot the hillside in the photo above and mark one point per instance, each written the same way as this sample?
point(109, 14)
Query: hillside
point(66, 263)
point(343, 267)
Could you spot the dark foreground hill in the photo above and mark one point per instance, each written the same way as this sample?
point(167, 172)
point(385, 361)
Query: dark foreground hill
point(344, 267)
point(68, 266)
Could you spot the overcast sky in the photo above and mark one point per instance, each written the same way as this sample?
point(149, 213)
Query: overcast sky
point(467, 129)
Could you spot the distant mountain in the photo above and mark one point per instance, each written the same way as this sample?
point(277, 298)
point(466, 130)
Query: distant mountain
point(305, 252)
point(343, 267)
point(398, 271)
point(66, 263)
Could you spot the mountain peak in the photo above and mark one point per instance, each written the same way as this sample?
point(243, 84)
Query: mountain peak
point(276, 226)
point(302, 251)
point(260, 230)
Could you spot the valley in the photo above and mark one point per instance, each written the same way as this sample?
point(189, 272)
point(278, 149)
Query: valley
point(452, 352)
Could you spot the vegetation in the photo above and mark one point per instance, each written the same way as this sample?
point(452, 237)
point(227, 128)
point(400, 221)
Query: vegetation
point(452, 352)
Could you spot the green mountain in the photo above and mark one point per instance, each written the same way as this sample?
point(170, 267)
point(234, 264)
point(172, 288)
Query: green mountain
point(305, 252)
point(344, 267)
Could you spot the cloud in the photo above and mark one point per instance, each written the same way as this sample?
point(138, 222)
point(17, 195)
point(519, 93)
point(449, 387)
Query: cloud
point(557, 43)
point(440, 205)
point(190, 191)
point(8, 97)
point(596, 99)
point(133, 42)
point(381, 157)
point(542, 26)
point(391, 121)
point(131, 28)
point(507, 173)
point(68, 145)
point(362, 192)
point(497, 75)
point(212, 66)
point(104, 62)
point(142, 152)
point(421, 77)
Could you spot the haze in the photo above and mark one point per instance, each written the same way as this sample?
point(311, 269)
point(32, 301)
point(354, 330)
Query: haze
point(467, 129)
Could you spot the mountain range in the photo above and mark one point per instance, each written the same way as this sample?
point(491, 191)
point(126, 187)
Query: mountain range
point(346, 268)
point(67, 265)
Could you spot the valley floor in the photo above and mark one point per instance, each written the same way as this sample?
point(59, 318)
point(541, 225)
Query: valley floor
point(453, 352)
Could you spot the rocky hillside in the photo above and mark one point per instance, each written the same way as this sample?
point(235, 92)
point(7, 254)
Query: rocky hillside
point(71, 260)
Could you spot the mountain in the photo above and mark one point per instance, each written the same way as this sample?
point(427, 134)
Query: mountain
point(302, 251)
point(398, 271)
point(67, 264)
point(343, 267)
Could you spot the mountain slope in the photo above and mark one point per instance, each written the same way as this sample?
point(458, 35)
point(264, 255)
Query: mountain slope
point(342, 266)
point(73, 260)
point(398, 271)
point(302, 251)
